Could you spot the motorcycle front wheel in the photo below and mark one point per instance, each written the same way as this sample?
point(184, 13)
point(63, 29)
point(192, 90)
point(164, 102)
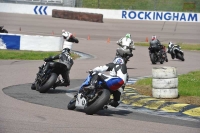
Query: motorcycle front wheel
point(180, 56)
point(98, 104)
point(49, 83)
point(71, 104)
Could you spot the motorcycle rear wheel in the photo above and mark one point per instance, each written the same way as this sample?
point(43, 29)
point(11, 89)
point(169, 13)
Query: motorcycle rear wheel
point(98, 104)
point(50, 82)
point(180, 56)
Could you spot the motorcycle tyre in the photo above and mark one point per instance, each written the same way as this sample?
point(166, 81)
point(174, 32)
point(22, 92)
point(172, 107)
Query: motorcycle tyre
point(180, 56)
point(173, 56)
point(99, 103)
point(50, 82)
point(152, 57)
point(33, 87)
point(71, 104)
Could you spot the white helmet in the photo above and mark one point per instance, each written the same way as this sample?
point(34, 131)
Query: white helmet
point(153, 37)
point(65, 34)
point(170, 44)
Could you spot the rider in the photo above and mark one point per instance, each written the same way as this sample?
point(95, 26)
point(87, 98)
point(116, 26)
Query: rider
point(127, 45)
point(155, 42)
point(116, 80)
point(170, 48)
point(66, 36)
point(64, 65)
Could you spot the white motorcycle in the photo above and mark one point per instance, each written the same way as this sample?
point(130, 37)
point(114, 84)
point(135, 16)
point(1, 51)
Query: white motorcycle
point(176, 52)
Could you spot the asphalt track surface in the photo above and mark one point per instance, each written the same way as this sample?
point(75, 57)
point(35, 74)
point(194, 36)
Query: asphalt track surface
point(19, 115)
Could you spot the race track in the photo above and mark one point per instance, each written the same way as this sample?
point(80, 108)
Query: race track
point(25, 117)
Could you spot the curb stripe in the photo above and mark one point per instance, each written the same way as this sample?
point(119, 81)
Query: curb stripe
point(174, 107)
point(193, 112)
point(154, 104)
point(131, 97)
point(142, 102)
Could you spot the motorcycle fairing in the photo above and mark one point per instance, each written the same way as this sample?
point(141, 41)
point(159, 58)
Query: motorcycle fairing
point(80, 101)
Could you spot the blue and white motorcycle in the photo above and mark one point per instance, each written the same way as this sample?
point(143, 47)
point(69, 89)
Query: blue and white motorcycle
point(91, 100)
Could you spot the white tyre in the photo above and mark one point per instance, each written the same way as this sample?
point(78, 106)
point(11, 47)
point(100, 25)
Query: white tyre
point(164, 72)
point(165, 93)
point(165, 83)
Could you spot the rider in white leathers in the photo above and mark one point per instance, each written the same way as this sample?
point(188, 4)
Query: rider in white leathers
point(116, 80)
point(127, 45)
point(66, 36)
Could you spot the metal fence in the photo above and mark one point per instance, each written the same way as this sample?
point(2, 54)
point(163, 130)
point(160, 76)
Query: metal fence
point(150, 5)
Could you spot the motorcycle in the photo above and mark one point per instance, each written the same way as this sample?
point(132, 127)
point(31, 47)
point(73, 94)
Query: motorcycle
point(46, 77)
point(157, 55)
point(177, 53)
point(91, 100)
point(120, 52)
point(2, 30)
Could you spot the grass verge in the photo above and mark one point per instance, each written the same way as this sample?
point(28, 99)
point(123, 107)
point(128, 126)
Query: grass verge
point(149, 5)
point(28, 55)
point(188, 87)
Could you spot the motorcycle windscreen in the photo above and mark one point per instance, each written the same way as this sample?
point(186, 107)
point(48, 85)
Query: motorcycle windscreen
point(114, 83)
point(86, 82)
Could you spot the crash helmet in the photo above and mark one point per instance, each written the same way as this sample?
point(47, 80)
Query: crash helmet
point(153, 37)
point(65, 49)
point(128, 35)
point(118, 60)
point(65, 34)
point(170, 44)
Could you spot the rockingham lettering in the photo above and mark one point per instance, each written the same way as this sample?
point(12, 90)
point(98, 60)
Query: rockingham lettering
point(162, 16)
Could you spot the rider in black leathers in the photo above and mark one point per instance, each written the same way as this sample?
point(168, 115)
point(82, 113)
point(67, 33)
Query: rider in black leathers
point(160, 48)
point(64, 65)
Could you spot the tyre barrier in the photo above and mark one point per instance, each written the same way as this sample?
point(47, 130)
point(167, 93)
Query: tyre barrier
point(83, 16)
point(164, 82)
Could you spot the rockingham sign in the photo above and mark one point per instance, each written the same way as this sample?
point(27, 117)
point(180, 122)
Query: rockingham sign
point(107, 14)
point(161, 16)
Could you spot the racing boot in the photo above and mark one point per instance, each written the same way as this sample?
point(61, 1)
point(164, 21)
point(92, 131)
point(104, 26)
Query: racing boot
point(60, 83)
point(114, 103)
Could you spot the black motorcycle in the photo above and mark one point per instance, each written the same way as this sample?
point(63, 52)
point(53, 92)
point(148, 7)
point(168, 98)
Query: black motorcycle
point(157, 54)
point(177, 53)
point(2, 30)
point(46, 77)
